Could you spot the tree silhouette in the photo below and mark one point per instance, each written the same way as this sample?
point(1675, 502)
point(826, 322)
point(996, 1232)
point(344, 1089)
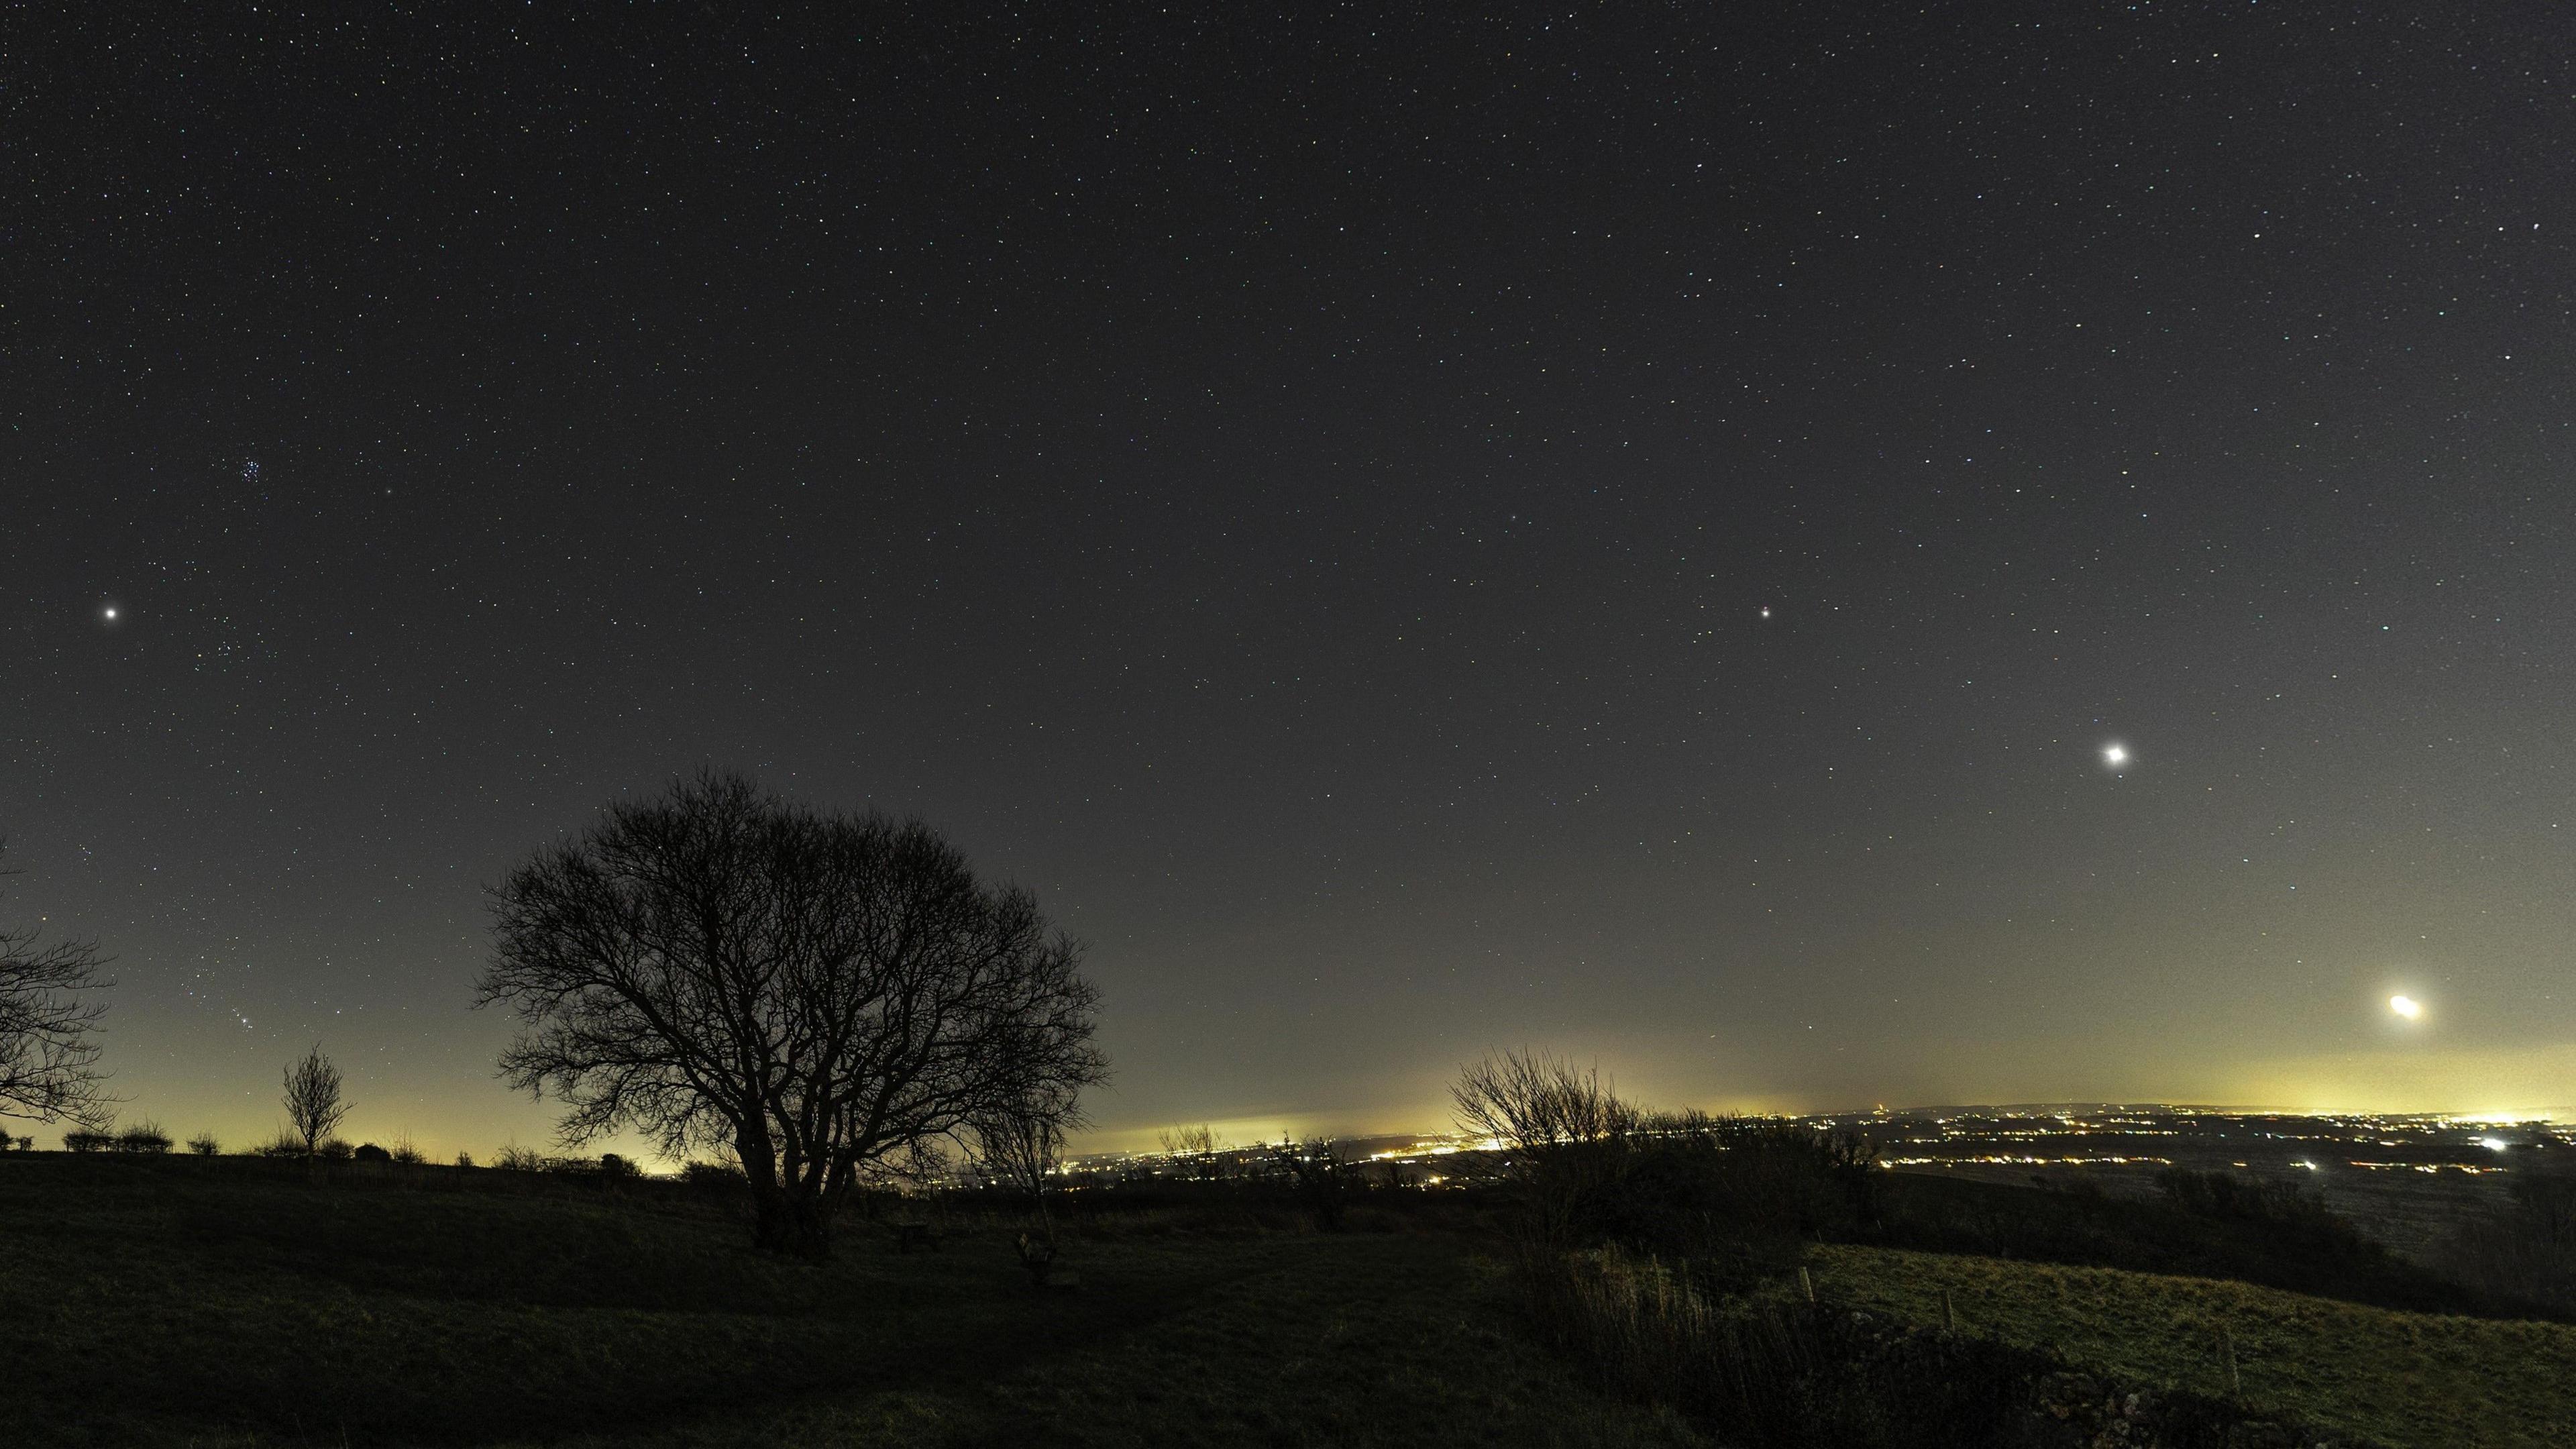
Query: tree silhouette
point(1017, 1139)
point(48, 1032)
point(313, 1102)
point(822, 995)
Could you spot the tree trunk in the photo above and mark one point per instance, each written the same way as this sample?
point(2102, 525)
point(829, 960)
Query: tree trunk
point(793, 1223)
point(790, 1217)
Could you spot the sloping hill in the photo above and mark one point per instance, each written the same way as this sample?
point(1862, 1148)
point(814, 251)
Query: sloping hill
point(2407, 1379)
point(234, 1304)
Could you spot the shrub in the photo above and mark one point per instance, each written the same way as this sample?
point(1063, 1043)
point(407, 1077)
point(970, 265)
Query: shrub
point(144, 1136)
point(1323, 1179)
point(2293, 1215)
point(369, 1152)
point(514, 1158)
point(1812, 1375)
point(465, 1159)
point(2249, 1199)
point(1564, 1132)
point(335, 1150)
point(2526, 1253)
point(204, 1144)
point(713, 1176)
point(81, 1139)
point(1788, 1375)
point(407, 1154)
point(612, 1165)
point(285, 1145)
point(1590, 1168)
point(1698, 1185)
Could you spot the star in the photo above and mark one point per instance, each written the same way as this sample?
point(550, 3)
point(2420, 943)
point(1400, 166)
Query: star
point(2115, 755)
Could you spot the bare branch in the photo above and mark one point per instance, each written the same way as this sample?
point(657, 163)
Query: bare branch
point(49, 1032)
point(1532, 1101)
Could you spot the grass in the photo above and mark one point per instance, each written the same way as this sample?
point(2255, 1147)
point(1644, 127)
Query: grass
point(2284, 1247)
point(2400, 1378)
point(231, 1304)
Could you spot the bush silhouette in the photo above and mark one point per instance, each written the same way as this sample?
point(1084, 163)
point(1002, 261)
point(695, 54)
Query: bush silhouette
point(370, 1152)
point(714, 1176)
point(204, 1144)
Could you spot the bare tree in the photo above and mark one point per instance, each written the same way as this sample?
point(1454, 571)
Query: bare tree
point(313, 1101)
point(1017, 1141)
point(1195, 1146)
point(1323, 1176)
point(820, 994)
point(1567, 1133)
point(48, 1032)
point(1532, 1101)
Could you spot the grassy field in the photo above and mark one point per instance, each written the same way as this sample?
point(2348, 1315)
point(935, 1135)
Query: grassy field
point(169, 1302)
point(2401, 1378)
point(179, 1302)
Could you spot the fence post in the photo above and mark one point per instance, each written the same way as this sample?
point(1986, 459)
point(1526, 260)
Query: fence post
point(1806, 1283)
point(1949, 1323)
point(2227, 1356)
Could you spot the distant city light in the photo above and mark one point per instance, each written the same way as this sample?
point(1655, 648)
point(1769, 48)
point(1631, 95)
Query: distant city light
point(2494, 1144)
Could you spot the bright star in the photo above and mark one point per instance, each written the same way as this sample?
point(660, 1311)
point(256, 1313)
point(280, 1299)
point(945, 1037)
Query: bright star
point(2115, 755)
point(2406, 1006)
point(108, 613)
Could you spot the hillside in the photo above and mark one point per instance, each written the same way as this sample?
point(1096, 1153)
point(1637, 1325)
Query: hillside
point(2419, 1380)
point(227, 1302)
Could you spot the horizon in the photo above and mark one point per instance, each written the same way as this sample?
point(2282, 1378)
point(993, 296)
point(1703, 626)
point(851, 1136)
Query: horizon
point(1255, 1131)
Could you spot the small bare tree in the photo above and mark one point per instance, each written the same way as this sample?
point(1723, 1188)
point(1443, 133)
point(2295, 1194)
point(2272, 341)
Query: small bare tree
point(313, 1101)
point(1194, 1147)
point(1018, 1141)
point(1322, 1175)
point(49, 1033)
point(1532, 1101)
point(822, 995)
point(1566, 1131)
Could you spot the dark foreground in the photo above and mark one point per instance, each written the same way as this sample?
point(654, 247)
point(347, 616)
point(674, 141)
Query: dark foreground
point(230, 1302)
point(162, 1301)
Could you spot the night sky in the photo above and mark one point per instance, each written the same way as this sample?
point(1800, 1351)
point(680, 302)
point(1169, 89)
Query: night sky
point(1625, 529)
